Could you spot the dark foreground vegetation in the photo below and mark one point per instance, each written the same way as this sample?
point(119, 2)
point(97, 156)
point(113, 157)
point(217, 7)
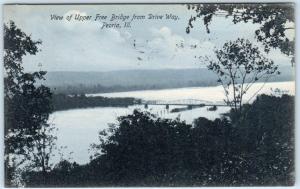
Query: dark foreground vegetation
point(255, 147)
point(65, 102)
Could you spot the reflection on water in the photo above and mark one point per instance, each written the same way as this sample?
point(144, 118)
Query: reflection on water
point(79, 128)
point(214, 94)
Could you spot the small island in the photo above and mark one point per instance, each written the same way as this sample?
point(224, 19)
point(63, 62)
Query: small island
point(66, 102)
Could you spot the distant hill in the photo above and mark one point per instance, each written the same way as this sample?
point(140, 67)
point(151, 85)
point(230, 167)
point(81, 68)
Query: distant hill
point(138, 79)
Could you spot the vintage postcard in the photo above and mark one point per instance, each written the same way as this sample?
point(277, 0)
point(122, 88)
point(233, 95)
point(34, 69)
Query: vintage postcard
point(102, 95)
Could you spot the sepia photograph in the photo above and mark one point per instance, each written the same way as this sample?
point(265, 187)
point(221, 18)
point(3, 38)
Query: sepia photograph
point(149, 94)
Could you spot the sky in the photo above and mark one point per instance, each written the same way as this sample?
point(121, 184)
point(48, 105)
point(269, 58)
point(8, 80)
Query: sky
point(149, 44)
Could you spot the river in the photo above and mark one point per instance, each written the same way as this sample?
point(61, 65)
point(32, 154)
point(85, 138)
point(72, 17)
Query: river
point(78, 128)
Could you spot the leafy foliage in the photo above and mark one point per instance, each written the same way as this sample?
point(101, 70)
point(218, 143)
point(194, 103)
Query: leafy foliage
point(27, 106)
point(273, 18)
point(238, 66)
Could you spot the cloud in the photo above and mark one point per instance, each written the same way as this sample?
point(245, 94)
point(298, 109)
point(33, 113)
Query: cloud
point(172, 49)
point(84, 46)
point(164, 41)
point(77, 25)
point(290, 33)
point(116, 36)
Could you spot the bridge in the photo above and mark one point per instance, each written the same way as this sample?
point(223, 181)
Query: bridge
point(190, 103)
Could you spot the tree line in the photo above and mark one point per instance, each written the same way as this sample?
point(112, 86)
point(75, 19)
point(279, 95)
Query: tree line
point(65, 102)
point(98, 88)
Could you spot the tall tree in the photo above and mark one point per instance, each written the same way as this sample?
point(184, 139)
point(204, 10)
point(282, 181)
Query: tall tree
point(275, 21)
point(238, 65)
point(27, 106)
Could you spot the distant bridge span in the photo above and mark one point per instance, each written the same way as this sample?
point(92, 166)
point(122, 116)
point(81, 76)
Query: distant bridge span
point(184, 102)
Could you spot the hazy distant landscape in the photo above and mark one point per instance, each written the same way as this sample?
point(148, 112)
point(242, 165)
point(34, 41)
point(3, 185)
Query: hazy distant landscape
point(131, 80)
